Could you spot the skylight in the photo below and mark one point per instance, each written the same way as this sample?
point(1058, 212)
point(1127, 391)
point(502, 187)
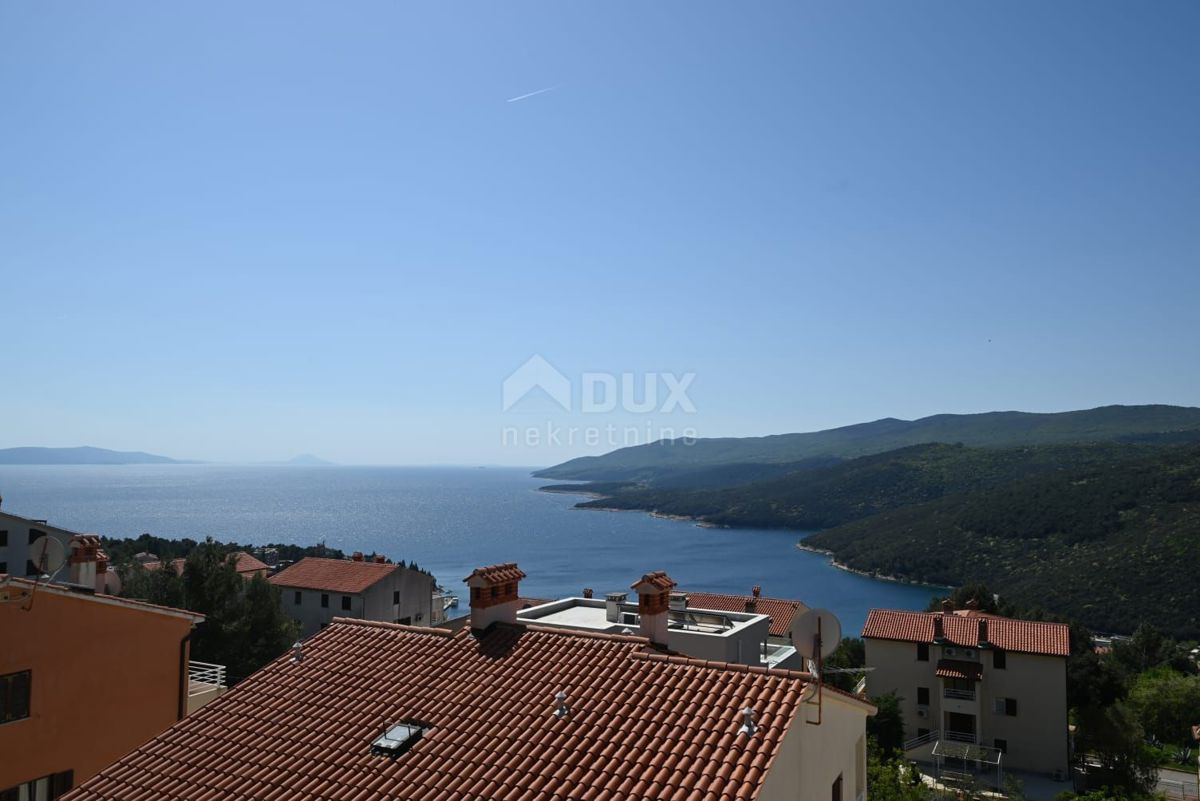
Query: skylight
point(398, 738)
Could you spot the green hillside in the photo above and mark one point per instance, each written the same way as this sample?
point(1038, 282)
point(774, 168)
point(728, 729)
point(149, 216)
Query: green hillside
point(1112, 544)
point(1153, 424)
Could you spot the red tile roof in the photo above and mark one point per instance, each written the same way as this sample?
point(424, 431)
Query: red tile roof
point(958, 669)
point(659, 580)
point(1025, 636)
point(176, 564)
point(640, 725)
point(782, 611)
point(332, 575)
point(247, 563)
point(498, 574)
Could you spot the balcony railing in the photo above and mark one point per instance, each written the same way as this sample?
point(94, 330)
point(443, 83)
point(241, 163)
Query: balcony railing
point(958, 736)
point(962, 695)
point(205, 677)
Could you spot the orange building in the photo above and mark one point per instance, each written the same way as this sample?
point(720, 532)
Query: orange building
point(84, 679)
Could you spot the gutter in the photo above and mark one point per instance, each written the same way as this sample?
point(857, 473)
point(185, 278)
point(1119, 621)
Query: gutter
point(183, 673)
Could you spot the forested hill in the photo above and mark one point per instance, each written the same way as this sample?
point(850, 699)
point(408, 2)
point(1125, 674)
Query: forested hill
point(83, 455)
point(1112, 544)
point(1152, 424)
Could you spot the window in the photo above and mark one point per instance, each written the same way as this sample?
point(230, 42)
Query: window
point(345, 603)
point(837, 789)
point(923, 696)
point(324, 600)
point(1002, 745)
point(3, 538)
point(3, 567)
point(1005, 706)
point(999, 660)
point(296, 597)
point(14, 696)
point(46, 788)
point(34, 534)
point(922, 732)
point(922, 652)
point(395, 596)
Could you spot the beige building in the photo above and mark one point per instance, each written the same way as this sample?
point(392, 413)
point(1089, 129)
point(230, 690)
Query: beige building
point(507, 709)
point(993, 684)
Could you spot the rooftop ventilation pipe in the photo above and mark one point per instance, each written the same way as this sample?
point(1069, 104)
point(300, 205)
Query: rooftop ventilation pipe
point(748, 725)
point(561, 709)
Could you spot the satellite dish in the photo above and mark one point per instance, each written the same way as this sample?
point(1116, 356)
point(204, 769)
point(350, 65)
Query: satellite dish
point(811, 623)
point(49, 554)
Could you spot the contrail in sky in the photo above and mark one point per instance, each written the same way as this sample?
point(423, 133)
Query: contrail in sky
point(531, 94)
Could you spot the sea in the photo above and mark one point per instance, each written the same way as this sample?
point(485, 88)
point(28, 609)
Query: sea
point(448, 520)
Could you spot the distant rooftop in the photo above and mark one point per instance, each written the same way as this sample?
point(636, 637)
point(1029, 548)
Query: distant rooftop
point(969, 629)
point(781, 610)
point(333, 575)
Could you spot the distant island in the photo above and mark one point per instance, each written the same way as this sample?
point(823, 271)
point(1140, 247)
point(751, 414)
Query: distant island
point(308, 460)
point(83, 455)
point(1093, 514)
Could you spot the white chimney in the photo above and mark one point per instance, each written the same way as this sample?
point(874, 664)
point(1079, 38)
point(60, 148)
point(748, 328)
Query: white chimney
point(85, 552)
point(612, 606)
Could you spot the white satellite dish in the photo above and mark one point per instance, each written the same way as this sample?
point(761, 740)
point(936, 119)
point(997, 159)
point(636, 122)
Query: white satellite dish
point(812, 623)
point(48, 554)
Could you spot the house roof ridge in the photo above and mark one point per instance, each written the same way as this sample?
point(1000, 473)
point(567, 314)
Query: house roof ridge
point(381, 624)
point(732, 667)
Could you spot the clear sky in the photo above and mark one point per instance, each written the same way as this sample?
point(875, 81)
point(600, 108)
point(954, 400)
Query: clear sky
point(241, 231)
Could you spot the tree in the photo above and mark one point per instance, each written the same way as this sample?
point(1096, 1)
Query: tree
point(886, 727)
point(1148, 648)
point(1166, 704)
point(1112, 737)
point(893, 780)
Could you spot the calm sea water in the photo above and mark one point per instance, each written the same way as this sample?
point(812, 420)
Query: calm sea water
point(449, 520)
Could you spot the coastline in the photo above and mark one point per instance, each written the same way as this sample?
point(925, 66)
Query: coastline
point(866, 573)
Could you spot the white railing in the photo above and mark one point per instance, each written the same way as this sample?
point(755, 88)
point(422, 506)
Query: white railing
point(964, 695)
point(861, 687)
point(204, 677)
point(958, 737)
point(925, 739)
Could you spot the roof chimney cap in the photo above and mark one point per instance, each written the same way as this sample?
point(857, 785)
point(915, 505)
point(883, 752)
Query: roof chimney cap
point(973, 604)
point(756, 591)
point(380, 559)
point(652, 583)
point(357, 556)
point(587, 592)
point(494, 575)
point(947, 606)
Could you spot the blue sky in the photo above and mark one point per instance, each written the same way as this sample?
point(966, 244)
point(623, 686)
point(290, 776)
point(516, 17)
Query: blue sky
point(246, 230)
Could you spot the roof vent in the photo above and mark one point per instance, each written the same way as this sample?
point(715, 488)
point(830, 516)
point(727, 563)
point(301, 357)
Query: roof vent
point(562, 710)
point(749, 726)
point(398, 738)
point(297, 651)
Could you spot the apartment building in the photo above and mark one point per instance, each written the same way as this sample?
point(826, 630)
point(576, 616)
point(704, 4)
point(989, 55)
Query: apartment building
point(975, 679)
point(315, 591)
point(84, 679)
point(504, 709)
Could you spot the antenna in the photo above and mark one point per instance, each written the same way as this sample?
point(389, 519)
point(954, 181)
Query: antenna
point(817, 634)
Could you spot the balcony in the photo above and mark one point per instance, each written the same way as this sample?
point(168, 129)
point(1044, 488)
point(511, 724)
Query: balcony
point(206, 681)
point(959, 695)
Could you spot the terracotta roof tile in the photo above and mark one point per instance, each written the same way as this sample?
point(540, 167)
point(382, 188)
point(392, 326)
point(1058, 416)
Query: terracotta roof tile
point(497, 574)
point(640, 725)
point(782, 611)
point(248, 563)
point(658, 580)
point(332, 575)
point(959, 669)
point(1025, 636)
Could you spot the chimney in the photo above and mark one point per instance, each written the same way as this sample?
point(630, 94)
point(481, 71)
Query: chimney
point(494, 595)
point(947, 606)
point(983, 633)
point(756, 591)
point(357, 556)
point(587, 592)
point(380, 559)
point(85, 552)
point(654, 601)
point(613, 602)
point(939, 631)
point(973, 605)
point(752, 601)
